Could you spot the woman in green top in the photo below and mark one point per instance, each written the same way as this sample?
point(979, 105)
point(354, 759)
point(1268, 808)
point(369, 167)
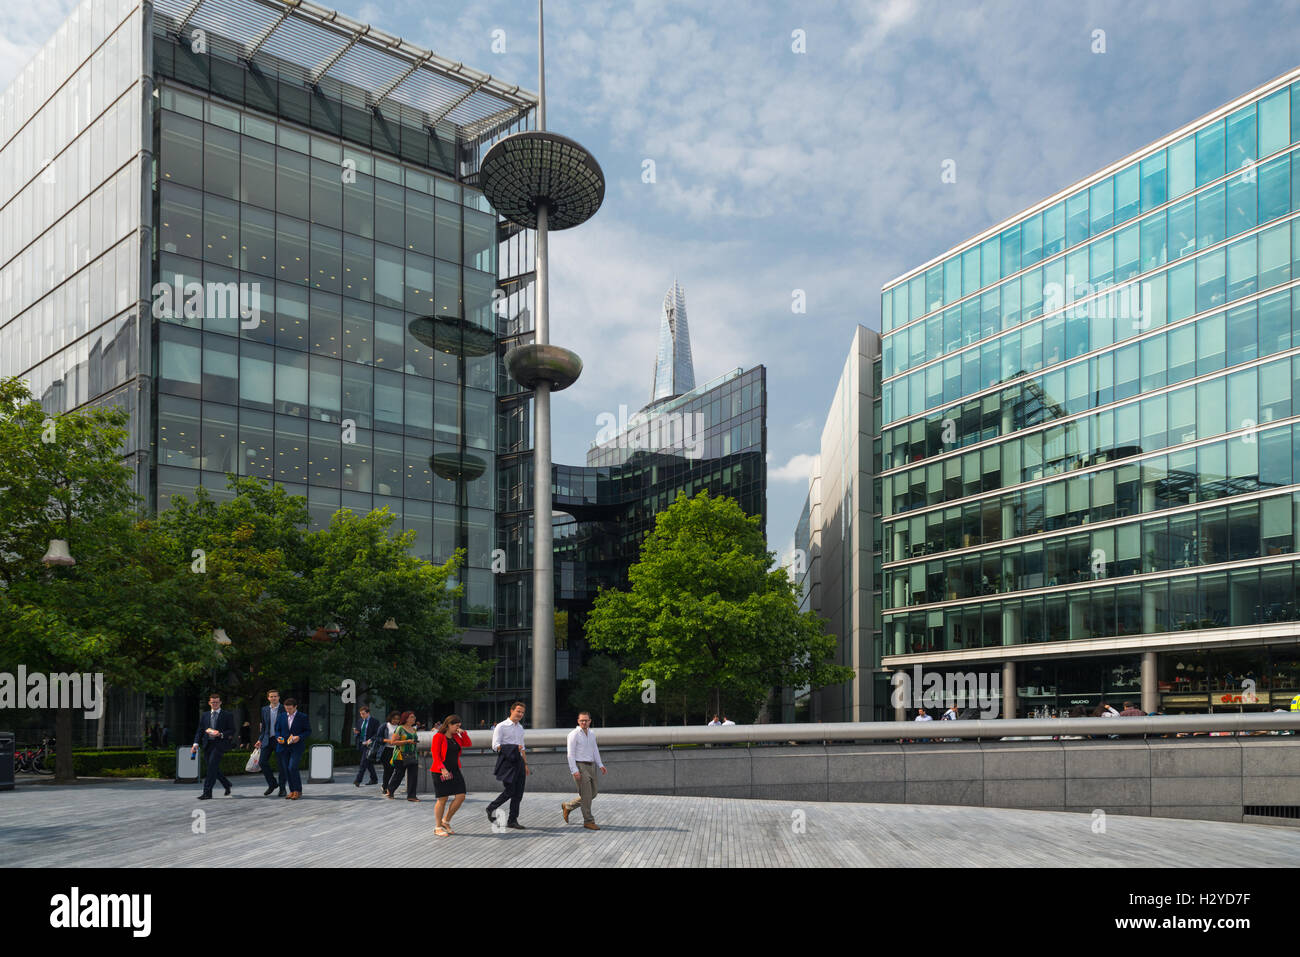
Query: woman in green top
point(403, 742)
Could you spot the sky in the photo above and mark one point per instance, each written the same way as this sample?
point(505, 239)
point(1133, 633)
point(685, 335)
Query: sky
point(807, 160)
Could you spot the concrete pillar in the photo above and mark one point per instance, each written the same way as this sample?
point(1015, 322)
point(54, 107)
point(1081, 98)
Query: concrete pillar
point(1148, 612)
point(1009, 702)
point(1011, 624)
point(1150, 689)
point(1077, 623)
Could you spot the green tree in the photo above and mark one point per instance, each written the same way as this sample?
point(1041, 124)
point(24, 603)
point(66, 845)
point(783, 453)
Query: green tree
point(276, 589)
point(358, 576)
point(707, 616)
point(121, 610)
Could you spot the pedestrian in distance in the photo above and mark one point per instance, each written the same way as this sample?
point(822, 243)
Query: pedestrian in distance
point(923, 715)
point(1132, 711)
point(266, 744)
point(216, 733)
point(292, 729)
point(950, 715)
point(404, 762)
point(727, 721)
point(715, 723)
point(512, 768)
point(449, 782)
point(365, 730)
point(386, 755)
point(584, 758)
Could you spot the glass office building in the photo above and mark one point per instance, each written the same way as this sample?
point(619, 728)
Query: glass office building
point(312, 181)
point(711, 438)
point(1091, 432)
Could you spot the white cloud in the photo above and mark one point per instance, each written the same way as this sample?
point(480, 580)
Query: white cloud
point(798, 469)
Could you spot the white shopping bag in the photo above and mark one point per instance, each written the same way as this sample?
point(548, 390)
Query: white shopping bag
point(255, 761)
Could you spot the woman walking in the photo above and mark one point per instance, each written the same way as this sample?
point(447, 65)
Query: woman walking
point(386, 756)
point(404, 761)
point(450, 782)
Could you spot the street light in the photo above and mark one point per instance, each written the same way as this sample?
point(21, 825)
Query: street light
point(58, 554)
point(220, 637)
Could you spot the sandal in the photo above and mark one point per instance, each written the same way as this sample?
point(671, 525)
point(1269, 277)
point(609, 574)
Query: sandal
point(440, 831)
point(414, 800)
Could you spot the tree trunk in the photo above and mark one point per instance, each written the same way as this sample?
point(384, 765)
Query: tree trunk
point(345, 738)
point(103, 720)
point(64, 771)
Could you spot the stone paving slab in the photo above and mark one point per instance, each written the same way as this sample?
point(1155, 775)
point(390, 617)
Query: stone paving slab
point(150, 824)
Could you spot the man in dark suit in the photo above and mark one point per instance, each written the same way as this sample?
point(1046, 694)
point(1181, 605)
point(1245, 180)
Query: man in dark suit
point(271, 712)
point(291, 732)
point(217, 735)
point(365, 730)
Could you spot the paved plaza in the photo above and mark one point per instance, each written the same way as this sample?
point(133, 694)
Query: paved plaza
point(150, 824)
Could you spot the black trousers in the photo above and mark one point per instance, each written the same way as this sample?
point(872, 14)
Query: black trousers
point(396, 781)
point(388, 768)
point(366, 765)
point(264, 762)
point(213, 757)
point(514, 793)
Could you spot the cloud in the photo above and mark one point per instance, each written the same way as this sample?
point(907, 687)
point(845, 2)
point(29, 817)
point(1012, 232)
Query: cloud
point(798, 469)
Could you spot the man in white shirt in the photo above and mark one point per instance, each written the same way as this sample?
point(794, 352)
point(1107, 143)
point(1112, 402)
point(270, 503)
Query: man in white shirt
point(950, 714)
point(584, 758)
point(506, 736)
point(715, 723)
point(921, 715)
point(727, 721)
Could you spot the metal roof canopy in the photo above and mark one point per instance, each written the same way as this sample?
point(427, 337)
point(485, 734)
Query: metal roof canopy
point(318, 43)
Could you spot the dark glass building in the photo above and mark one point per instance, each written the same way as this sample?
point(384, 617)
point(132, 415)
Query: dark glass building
point(254, 224)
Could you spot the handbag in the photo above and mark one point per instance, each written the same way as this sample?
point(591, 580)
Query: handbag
point(255, 760)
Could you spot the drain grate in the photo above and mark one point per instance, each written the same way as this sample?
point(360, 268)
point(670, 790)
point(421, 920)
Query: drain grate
point(1272, 810)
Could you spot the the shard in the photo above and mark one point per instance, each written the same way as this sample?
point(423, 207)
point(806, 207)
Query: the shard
point(674, 370)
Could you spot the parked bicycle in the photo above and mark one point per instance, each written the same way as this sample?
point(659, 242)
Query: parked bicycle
point(35, 760)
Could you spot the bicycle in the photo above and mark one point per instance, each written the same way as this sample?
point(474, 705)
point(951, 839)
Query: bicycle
point(35, 761)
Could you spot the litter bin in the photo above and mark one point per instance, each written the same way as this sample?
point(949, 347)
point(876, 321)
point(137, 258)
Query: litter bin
point(6, 761)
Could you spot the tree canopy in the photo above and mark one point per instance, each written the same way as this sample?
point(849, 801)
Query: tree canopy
point(707, 616)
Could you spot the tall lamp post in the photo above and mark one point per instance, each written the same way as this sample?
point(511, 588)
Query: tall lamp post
point(543, 181)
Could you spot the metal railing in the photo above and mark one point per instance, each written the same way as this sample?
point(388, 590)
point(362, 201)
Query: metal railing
point(892, 731)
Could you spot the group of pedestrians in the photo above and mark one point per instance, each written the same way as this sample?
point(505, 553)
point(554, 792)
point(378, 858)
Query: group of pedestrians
point(392, 744)
point(284, 733)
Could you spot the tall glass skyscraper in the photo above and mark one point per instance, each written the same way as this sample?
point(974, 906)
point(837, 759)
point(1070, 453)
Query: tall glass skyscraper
point(674, 369)
point(313, 179)
point(1091, 441)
